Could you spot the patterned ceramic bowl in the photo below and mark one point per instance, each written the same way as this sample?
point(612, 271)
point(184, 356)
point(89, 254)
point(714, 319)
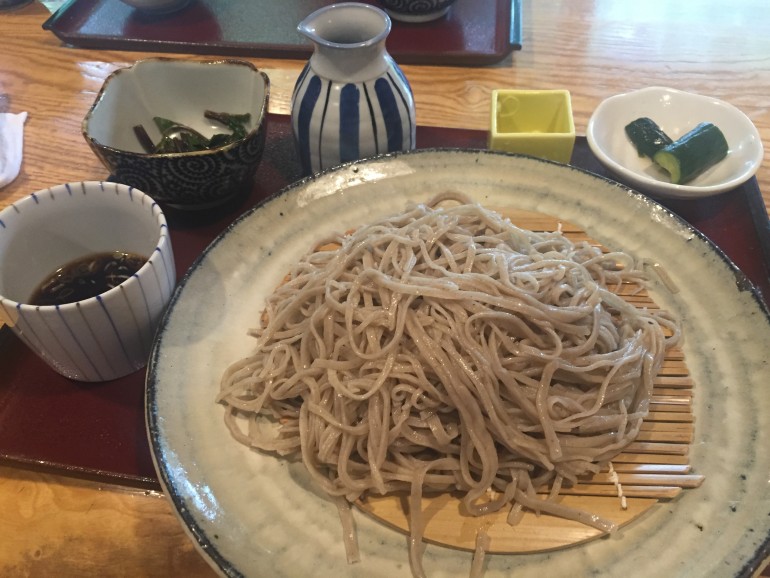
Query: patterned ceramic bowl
point(416, 10)
point(181, 91)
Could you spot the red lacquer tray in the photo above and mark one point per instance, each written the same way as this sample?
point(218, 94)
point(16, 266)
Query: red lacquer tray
point(475, 32)
point(98, 430)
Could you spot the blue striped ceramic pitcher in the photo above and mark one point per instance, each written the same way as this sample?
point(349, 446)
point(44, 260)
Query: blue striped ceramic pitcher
point(351, 100)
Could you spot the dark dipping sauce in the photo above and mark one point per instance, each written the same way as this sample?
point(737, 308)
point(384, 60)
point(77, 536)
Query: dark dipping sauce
point(87, 277)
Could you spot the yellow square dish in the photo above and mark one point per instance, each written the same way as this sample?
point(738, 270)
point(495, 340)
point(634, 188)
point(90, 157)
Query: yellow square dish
point(533, 122)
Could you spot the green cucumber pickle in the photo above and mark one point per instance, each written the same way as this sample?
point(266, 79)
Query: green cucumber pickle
point(647, 136)
point(693, 153)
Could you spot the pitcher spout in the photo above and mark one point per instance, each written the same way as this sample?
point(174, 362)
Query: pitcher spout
point(346, 25)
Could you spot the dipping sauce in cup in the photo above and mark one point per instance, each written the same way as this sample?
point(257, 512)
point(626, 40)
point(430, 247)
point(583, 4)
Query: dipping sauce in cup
point(86, 277)
point(86, 271)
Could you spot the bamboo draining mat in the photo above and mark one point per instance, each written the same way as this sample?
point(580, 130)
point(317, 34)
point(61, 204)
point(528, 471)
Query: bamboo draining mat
point(654, 467)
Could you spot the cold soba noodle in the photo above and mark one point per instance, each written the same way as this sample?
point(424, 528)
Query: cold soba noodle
point(446, 350)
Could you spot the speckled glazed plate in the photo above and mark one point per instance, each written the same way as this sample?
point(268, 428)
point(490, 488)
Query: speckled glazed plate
point(256, 515)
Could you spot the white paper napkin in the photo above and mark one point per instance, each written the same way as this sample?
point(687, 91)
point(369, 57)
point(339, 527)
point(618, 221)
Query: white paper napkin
point(11, 145)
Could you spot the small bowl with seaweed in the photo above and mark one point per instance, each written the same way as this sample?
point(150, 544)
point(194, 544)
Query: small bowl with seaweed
point(675, 144)
point(188, 133)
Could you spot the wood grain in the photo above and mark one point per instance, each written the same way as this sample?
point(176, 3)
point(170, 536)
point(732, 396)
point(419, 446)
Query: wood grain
point(58, 526)
point(592, 48)
point(52, 525)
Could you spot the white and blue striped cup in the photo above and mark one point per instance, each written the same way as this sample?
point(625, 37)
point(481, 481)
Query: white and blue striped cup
point(103, 337)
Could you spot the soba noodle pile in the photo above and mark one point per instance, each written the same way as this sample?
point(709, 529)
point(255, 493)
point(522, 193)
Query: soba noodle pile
point(446, 350)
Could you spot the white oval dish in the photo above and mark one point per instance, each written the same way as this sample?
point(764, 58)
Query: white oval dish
point(676, 112)
point(256, 515)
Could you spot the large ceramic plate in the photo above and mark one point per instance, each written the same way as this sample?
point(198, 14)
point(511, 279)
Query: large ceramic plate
point(256, 515)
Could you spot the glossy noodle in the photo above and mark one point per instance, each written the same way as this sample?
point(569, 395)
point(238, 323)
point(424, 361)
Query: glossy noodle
point(444, 349)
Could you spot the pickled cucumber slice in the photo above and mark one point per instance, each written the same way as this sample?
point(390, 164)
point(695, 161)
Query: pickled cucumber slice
point(693, 153)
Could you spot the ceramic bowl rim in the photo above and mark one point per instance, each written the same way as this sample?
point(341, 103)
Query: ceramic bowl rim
point(258, 123)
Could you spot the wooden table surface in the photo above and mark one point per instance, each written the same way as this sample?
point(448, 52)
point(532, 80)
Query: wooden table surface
point(54, 525)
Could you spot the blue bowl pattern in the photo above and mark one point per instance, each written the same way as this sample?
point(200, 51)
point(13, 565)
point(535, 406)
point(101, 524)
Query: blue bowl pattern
point(416, 8)
point(188, 180)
